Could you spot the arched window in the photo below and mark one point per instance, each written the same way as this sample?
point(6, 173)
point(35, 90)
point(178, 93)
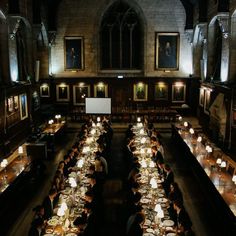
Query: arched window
point(121, 38)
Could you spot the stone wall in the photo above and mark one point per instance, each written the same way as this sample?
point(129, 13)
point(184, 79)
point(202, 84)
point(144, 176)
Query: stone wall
point(82, 18)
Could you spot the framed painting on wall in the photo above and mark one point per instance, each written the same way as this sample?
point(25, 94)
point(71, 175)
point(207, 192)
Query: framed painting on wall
point(207, 100)
point(23, 106)
point(167, 51)
point(101, 90)
point(178, 92)
point(201, 97)
point(63, 93)
point(80, 92)
point(161, 91)
point(74, 53)
point(140, 92)
point(16, 103)
point(44, 90)
point(10, 104)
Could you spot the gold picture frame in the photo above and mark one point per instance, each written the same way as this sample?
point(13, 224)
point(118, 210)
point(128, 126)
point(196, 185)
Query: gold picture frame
point(101, 90)
point(161, 91)
point(80, 92)
point(167, 51)
point(140, 92)
point(201, 97)
point(44, 90)
point(63, 92)
point(23, 106)
point(178, 92)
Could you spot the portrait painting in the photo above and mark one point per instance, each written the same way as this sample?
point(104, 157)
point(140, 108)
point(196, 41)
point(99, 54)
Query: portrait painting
point(16, 102)
point(35, 101)
point(44, 90)
point(23, 106)
point(140, 92)
point(167, 51)
point(161, 91)
point(201, 97)
point(74, 58)
point(207, 100)
point(178, 92)
point(80, 92)
point(101, 90)
point(63, 93)
point(10, 104)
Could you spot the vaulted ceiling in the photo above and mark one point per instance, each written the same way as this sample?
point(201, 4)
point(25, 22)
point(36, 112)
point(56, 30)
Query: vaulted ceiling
point(52, 6)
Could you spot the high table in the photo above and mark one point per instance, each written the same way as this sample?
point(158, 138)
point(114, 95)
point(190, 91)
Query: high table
point(216, 181)
point(17, 164)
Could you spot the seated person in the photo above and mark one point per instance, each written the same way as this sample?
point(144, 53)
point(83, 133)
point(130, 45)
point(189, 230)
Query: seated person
point(184, 224)
point(169, 178)
point(49, 203)
point(37, 227)
point(134, 227)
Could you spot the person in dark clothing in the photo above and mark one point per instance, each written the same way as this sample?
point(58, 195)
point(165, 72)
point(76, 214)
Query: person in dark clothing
point(36, 228)
point(134, 228)
point(49, 203)
point(184, 224)
point(169, 178)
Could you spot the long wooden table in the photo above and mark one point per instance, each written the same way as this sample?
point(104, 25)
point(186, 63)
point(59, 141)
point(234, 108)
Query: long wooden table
point(16, 166)
point(216, 181)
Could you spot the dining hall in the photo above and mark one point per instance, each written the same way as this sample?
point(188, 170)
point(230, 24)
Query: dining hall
point(118, 118)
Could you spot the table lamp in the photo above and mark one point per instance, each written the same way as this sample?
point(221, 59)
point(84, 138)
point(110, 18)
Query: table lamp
point(138, 119)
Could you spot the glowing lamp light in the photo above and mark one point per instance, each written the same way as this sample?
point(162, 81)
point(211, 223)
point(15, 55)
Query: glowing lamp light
point(191, 131)
point(142, 151)
point(72, 182)
point(151, 164)
point(218, 161)
point(80, 163)
point(157, 208)
point(86, 149)
point(199, 139)
point(143, 140)
point(186, 124)
point(64, 206)
point(98, 124)
point(223, 164)
point(60, 212)
point(50, 122)
point(144, 164)
point(153, 183)
point(160, 214)
point(98, 119)
point(20, 150)
point(140, 125)
point(141, 132)
point(234, 179)
point(93, 124)
point(149, 150)
point(4, 163)
point(180, 118)
point(58, 116)
point(138, 119)
point(93, 131)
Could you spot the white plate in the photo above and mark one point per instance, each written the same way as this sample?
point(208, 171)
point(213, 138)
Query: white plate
point(168, 223)
point(162, 200)
point(171, 234)
point(147, 222)
point(150, 230)
point(144, 200)
point(71, 234)
point(148, 234)
point(53, 222)
point(48, 234)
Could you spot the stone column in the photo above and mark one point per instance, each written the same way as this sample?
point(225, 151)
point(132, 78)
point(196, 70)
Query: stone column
point(223, 20)
point(203, 60)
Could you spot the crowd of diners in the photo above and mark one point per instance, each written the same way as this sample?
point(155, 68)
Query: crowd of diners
point(176, 209)
point(89, 220)
point(96, 174)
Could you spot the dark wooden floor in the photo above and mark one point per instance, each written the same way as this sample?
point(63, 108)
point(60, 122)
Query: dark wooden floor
point(113, 223)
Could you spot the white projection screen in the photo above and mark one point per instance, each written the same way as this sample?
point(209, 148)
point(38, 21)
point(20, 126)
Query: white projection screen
point(98, 105)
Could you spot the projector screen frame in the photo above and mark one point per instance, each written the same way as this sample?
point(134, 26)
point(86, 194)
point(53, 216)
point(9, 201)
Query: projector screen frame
point(98, 106)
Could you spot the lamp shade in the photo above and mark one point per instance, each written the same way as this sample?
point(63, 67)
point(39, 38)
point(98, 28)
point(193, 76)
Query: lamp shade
point(218, 161)
point(234, 179)
point(223, 164)
point(20, 150)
